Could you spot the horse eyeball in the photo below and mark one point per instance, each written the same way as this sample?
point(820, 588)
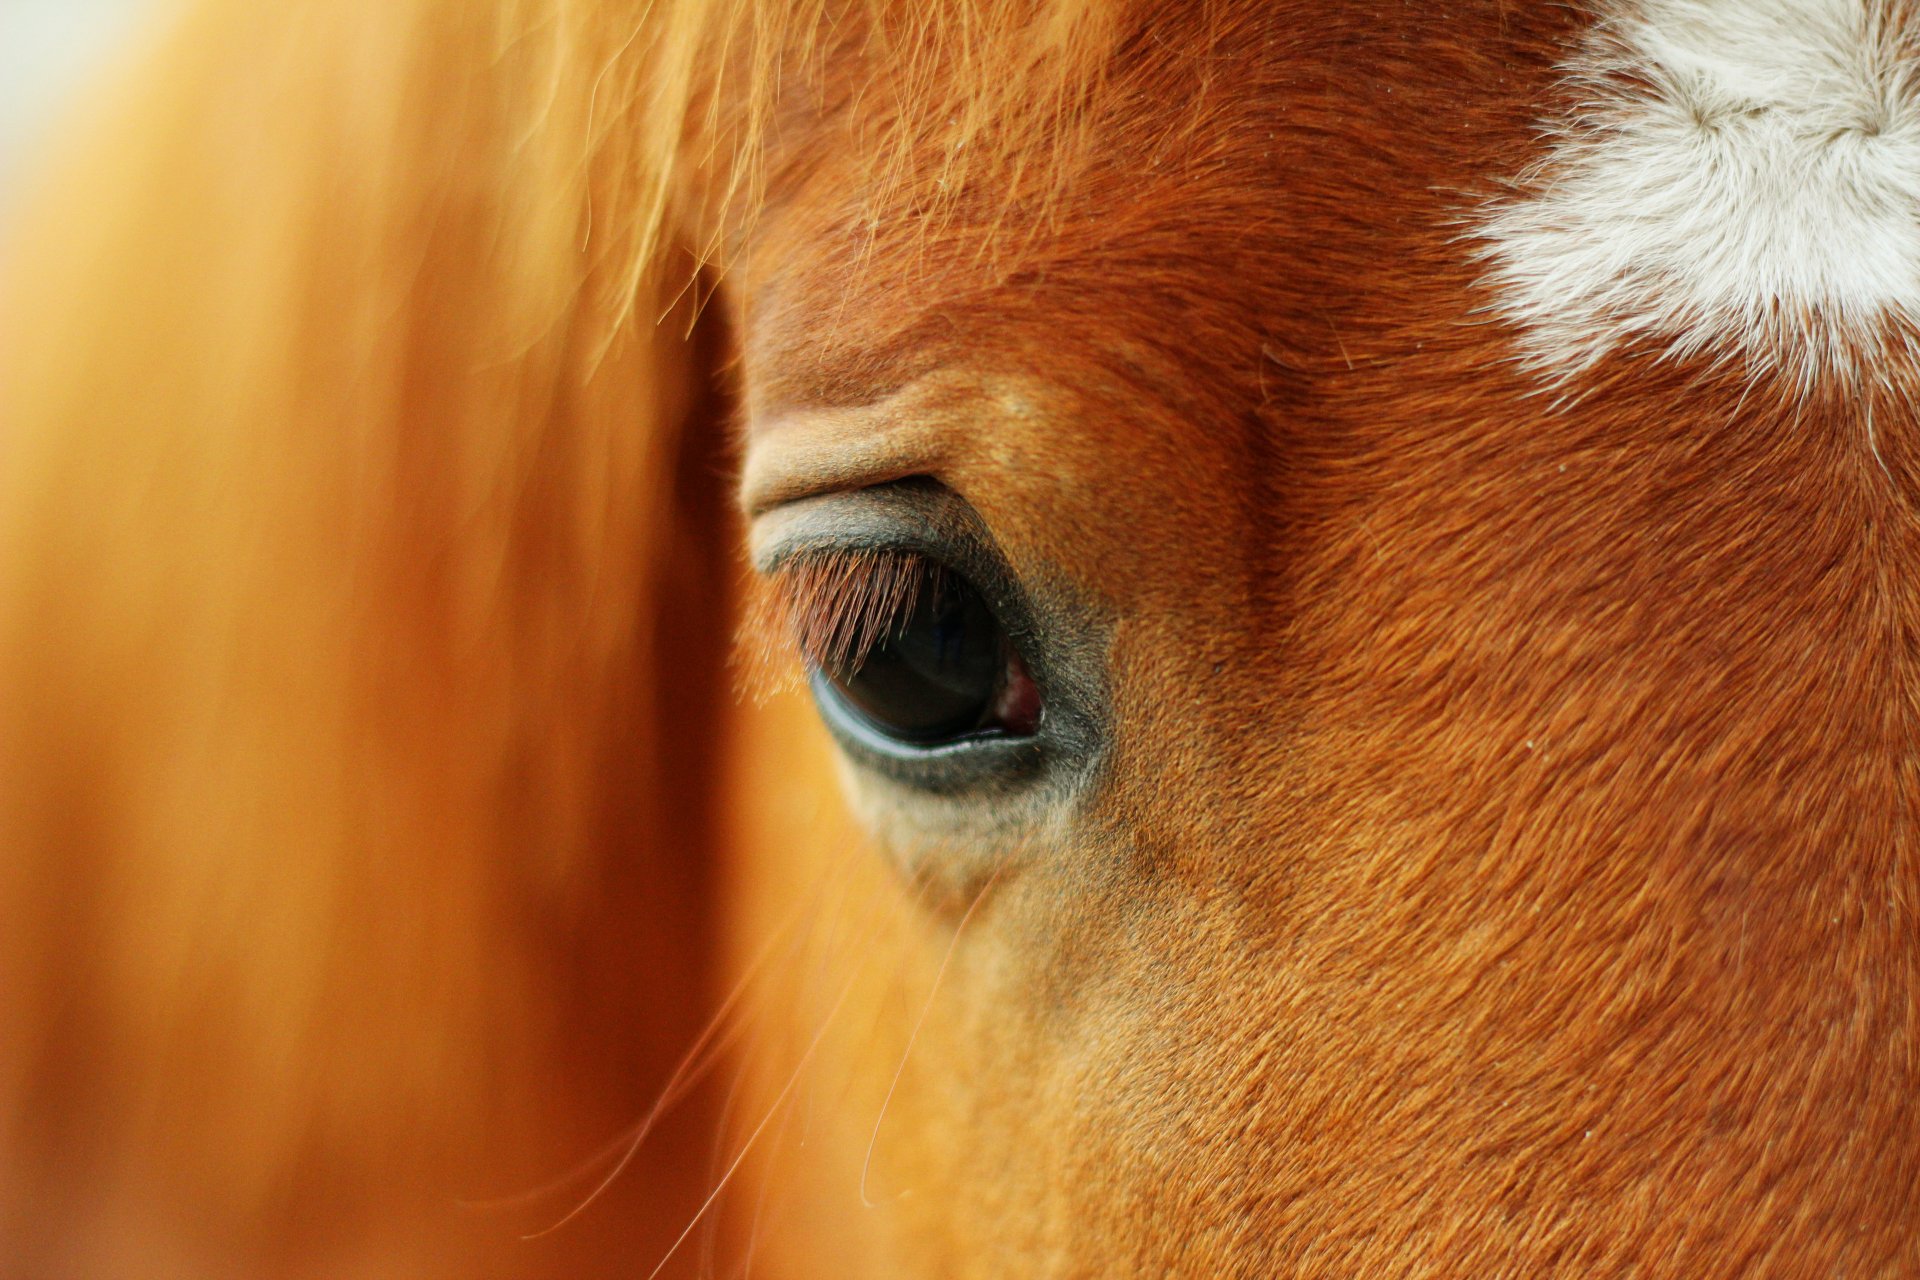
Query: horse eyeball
point(944, 670)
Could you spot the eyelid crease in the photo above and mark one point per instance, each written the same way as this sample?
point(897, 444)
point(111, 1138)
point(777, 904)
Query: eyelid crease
point(834, 453)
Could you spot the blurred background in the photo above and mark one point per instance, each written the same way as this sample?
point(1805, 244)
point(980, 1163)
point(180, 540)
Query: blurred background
point(47, 47)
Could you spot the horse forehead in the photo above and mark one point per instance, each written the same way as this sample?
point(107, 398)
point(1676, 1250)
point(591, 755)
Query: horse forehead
point(1721, 178)
point(1232, 179)
point(1725, 180)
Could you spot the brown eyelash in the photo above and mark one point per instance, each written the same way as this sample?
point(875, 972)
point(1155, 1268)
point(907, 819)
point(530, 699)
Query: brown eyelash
point(834, 607)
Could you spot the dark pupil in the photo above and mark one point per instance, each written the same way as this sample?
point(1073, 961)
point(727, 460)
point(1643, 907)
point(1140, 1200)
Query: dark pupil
point(935, 674)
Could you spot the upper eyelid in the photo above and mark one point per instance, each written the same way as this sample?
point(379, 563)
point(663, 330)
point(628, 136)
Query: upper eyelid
point(914, 514)
point(803, 452)
point(917, 515)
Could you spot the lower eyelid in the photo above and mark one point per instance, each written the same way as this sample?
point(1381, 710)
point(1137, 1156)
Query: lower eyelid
point(950, 768)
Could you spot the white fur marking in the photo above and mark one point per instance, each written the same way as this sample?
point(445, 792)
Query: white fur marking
point(1738, 178)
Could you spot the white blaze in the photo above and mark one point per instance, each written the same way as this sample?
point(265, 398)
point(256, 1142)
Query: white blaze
point(1736, 178)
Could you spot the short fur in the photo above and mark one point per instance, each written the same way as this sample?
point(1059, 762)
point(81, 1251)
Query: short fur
point(1504, 857)
point(1733, 180)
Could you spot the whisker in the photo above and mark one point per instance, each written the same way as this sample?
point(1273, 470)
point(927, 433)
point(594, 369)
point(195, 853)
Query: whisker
point(760, 1208)
point(913, 1036)
point(786, 1091)
point(843, 927)
point(700, 1058)
point(716, 1154)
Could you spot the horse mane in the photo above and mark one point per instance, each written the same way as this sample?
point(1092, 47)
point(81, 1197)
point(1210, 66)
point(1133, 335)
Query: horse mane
point(366, 567)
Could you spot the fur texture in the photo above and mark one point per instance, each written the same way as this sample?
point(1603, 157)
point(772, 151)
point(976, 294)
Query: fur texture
point(1497, 855)
point(1728, 180)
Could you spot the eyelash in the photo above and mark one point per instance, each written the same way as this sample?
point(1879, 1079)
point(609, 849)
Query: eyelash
point(835, 605)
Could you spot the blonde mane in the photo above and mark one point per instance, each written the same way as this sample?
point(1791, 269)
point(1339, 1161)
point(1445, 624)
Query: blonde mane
point(344, 359)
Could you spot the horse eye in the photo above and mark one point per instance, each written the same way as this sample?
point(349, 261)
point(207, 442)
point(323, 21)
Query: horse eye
point(943, 670)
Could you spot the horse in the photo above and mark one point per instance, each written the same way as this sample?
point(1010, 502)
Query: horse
point(967, 638)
